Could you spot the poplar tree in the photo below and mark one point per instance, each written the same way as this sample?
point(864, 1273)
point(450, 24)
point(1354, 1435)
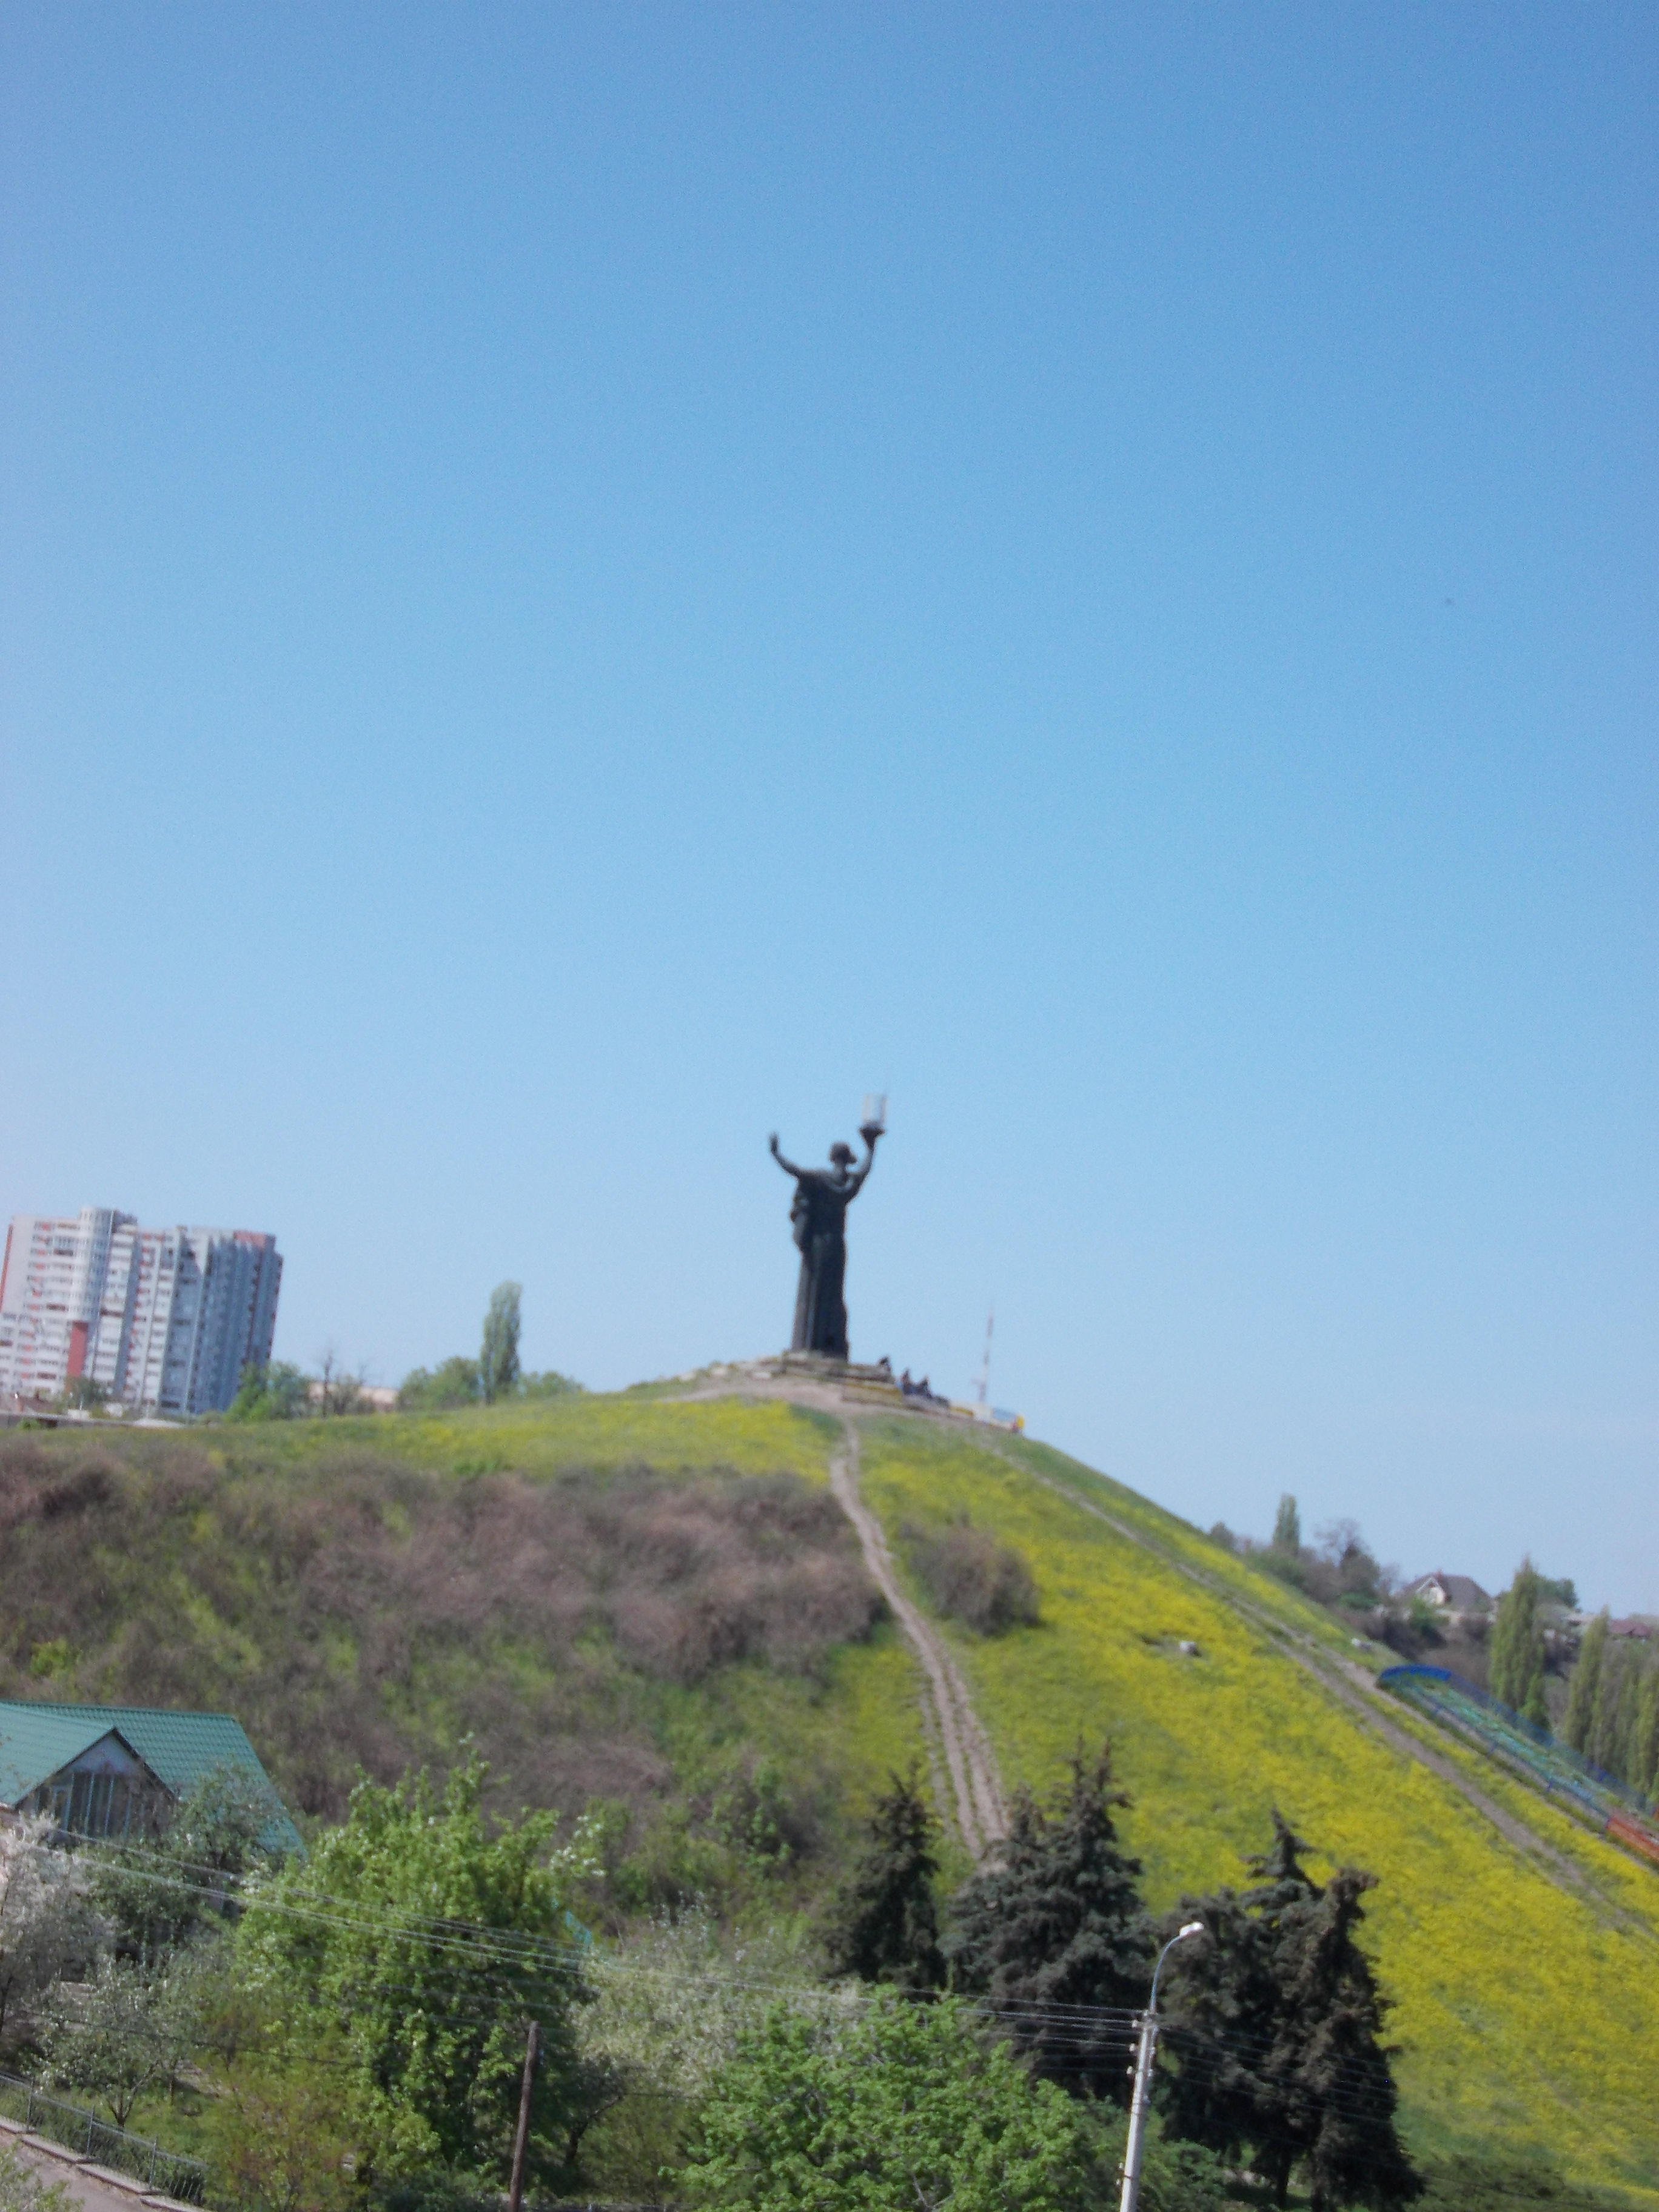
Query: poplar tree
point(1287, 1526)
point(1054, 1919)
point(1517, 1648)
point(1584, 1695)
point(498, 1360)
point(884, 1922)
point(1645, 1762)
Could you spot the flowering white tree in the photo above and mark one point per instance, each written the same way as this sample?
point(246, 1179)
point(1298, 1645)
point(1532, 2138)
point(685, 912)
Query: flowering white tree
point(46, 1919)
point(125, 2029)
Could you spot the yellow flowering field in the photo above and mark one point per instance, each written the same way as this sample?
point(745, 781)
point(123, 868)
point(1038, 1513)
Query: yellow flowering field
point(1523, 2011)
point(587, 1431)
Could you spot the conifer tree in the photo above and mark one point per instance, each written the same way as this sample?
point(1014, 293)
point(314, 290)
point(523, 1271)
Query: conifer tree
point(883, 1923)
point(1329, 2065)
point(1275, 2036)
point(1054, 1919)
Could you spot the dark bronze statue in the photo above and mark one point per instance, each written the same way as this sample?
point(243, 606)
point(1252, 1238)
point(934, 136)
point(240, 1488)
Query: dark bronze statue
point(818, 1218)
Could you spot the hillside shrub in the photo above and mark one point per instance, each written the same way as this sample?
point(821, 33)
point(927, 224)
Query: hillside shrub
point(456, 1381)
point(275, 1393)
point(971, 1577)
point(314, 1596)
point(1504, 2180)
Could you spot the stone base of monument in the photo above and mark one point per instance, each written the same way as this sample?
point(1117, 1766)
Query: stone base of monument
point(866, 1385)
point(853, 1378)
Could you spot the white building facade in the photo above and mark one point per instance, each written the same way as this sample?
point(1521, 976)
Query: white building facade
point(165, 1319)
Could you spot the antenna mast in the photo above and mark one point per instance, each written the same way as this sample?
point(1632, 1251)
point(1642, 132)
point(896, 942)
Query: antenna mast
point(984, 1363)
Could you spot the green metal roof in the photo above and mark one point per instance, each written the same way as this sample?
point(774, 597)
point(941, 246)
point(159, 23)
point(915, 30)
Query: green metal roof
point(181, 1749)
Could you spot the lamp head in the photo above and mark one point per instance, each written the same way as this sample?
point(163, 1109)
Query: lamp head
point(1193, 1928)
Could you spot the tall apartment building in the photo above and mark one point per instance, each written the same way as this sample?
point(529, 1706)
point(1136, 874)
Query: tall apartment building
point(166, 1319)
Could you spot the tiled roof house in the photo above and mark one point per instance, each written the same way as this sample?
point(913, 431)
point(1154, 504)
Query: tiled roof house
point(106, 1771)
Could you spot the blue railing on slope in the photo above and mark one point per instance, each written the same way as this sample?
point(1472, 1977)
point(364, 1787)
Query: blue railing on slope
point(1560, 1767)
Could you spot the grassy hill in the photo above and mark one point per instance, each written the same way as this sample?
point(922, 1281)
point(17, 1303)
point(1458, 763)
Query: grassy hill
point(657, 1605)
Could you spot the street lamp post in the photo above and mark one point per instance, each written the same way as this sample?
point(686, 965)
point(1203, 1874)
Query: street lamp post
point(1135, 2148)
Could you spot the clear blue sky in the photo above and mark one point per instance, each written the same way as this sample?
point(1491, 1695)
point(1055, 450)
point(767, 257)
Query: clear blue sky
point(582, 584)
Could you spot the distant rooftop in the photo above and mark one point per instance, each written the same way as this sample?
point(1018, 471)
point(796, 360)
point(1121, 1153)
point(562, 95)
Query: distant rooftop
point(1461, 1593)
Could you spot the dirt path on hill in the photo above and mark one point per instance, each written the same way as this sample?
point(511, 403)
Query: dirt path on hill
point(982, 1817)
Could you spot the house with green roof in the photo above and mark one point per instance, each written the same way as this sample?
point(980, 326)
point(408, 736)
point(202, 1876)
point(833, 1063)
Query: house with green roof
point(104, 1771)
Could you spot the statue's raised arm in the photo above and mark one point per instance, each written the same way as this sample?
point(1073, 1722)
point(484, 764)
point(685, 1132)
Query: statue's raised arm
point(788, 1166)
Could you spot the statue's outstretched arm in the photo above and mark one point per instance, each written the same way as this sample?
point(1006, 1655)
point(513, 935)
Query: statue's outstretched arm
point(788, 1166)
point(855, 1180)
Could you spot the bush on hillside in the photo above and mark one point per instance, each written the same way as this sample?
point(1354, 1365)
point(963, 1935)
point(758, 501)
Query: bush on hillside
point(276, 1393)
point(375, 1578)
point(970, 1577)
point(1509, 2180)
point(460, 1381)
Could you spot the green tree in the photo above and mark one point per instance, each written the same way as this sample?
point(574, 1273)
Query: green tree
point(1644, 1752)
point(498, 1358)
point(279, 2139)
point(1517, 1672)
point(900, 2108)
point(1287, 1526)
point(275, 1393)
point(127, 2028)
point(1054, 1919)
point(82, 1392)
point(423, 1943)
point(454, 1383)
point(883, 1923)
point(1584, 1691)
point(160, 1893)
point(1276, 2035)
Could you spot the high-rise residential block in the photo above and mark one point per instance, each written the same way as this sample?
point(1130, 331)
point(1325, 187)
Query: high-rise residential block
point(165, 1319)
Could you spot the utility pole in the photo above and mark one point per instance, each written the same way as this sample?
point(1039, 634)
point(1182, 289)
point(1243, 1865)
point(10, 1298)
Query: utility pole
point(521, 2141)
point(1134, 2150)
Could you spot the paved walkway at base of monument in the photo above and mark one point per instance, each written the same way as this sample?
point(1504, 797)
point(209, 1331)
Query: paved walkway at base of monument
point(98, 2188)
